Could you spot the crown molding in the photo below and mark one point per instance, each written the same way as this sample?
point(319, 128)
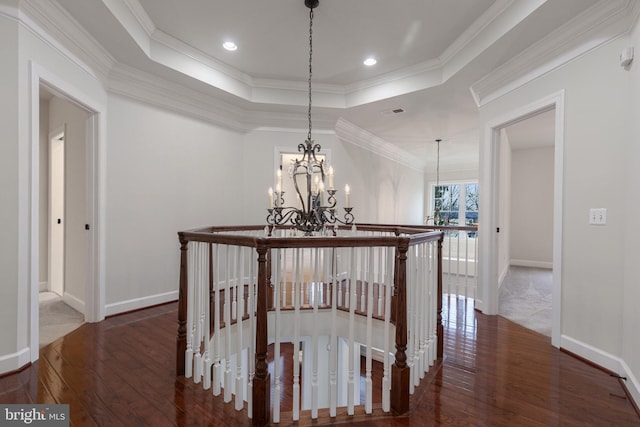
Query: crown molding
point(603, 22)
point(173, 53)
point(141, 16)
point(475, 29)
point(348, 132)
point(56, 27)
point(135, 84)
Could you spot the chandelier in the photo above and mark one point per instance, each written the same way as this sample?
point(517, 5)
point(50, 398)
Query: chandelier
point(314, 209)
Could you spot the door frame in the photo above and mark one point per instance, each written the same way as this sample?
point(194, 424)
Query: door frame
point(489, 175)
point(94, 304)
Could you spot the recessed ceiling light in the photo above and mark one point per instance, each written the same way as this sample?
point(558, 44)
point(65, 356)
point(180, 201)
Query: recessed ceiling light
point(231, 46)
point(370, 62)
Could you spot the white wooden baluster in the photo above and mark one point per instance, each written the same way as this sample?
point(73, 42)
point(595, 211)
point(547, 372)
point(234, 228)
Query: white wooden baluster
point(386, 379)
point(251, 354)
point(333, 354)
point(227, 324)
point(188, 359)
point(198, 316)
point(466, 264)
point(277, 278)
point(450, 277)
point(351, 274)
point(239, 314)
point(411, 317)
point(433, 312)
point(206, 362)
point(297, 285)
point(283, 291)
point(217, 280)
point(362, 275)
point(424, 307)
point(369, 280)
point(315, 279)
point(458, 263)
point(476, 291)
point(380, 281)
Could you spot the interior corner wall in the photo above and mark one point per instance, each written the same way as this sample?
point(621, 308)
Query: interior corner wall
point(531, 232)
point(631, 292)
point(11, 275)
point(382, 190)
point(63, 112)
point(596, 147)
point(165, 173)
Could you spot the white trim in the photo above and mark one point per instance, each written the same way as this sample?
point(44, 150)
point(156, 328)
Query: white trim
point(348, 132)
point(15, 361)
point(54, 26)
point(598, 25)
point(488, 209)
point(44, 286)
point(592, 354)
point(138, 303)
point(531, 263)
point(632, 383)
point(73, 302)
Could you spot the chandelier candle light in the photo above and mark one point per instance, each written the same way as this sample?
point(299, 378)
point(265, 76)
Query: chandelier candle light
point(312, 214)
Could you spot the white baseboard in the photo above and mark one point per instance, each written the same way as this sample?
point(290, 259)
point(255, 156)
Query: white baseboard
point(503, 274)
point(529, 263)
point(73, 302)
point(138, 303)
point(605, 360)
point(13, 362)
point(43, 286)
point(632, 383)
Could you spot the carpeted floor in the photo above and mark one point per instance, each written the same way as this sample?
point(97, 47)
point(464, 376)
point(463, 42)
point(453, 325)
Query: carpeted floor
point(525, 298)
point(56, 318)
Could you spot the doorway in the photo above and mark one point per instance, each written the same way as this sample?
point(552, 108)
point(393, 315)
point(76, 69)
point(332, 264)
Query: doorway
point(495, 206)
point(526, 284)
point(63, 207)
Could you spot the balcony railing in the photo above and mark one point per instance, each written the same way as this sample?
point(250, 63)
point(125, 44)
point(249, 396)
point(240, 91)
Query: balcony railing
point(372, 294)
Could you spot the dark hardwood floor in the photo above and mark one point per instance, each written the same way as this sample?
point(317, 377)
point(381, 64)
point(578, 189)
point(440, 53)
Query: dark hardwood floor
point(121, 372)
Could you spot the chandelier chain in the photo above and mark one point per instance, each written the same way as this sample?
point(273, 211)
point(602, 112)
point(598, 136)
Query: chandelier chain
point(310, 68)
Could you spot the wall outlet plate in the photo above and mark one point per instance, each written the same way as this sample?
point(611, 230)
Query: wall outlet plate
point(597, 216)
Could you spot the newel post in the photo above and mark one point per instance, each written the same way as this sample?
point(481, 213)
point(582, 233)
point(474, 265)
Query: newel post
point(181, 346)
point(400, 372)
point(439, 327)
point(261, 380)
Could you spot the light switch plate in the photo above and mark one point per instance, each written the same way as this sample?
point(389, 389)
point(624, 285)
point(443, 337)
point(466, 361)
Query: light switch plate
point(597, 216)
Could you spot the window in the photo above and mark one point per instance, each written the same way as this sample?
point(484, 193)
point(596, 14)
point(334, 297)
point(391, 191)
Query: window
point(457, 204)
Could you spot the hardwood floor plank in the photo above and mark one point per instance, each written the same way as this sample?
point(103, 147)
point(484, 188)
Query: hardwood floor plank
point(121, 372)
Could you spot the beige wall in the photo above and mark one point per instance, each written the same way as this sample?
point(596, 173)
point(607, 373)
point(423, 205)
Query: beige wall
point(11, 273)
point(597, 144)
point(531, 233)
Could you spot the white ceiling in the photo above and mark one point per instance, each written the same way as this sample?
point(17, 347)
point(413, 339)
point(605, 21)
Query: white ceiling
point(430, 53)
